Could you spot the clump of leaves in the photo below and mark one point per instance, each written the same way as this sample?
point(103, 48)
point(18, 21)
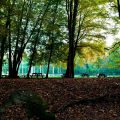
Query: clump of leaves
point(33, 104)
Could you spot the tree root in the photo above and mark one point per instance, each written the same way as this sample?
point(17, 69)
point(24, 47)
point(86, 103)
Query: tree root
point(89, 101)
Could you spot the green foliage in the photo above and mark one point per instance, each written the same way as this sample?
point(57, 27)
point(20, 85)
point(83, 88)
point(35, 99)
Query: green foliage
point(114, 58)
point(89, 52)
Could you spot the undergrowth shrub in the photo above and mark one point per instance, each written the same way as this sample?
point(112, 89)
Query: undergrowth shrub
point(33, 104)
point(37, 107)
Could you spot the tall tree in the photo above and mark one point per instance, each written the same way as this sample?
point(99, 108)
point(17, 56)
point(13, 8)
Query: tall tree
point(51, 37)
point(37, 37)
point(7, 25)
point(24, 28)
point(83, 25)
point(72, 10)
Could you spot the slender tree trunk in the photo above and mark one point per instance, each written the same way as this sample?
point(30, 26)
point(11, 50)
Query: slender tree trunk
point(31, 59)
point(52, 43)
point(29, 69)
point(20, 52)
point(71, 8)
point(33, 53)
point(10, 52)
point(13, 68)
point(51, 51)
point(2, 55)
point(18, 65)
point(36, 39)
point(118, 2)
point(4, 38)
point(10, 9)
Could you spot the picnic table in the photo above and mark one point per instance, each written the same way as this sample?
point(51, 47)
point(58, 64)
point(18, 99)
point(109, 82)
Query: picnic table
point(37, 75)
point(101, 75)
point(85, 75)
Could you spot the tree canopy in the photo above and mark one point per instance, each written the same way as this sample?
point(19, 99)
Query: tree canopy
point(54, 32)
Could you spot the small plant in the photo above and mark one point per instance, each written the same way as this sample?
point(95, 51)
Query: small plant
point(36, 107)
point(33, 104)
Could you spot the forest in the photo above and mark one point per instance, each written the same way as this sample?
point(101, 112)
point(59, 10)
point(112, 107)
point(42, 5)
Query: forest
point(67, 38)
point(59, 33)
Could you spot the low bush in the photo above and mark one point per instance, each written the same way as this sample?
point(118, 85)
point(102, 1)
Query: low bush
point(34, 105)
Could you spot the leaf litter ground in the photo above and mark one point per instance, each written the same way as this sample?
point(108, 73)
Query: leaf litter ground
point(69, 99)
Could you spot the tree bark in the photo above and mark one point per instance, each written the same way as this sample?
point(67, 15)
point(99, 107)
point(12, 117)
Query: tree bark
point(33, 53)
point(72, 7)
point(36, 39)
point(52, 43)
point(49, 60)
point(4, 39)
point(30, 64)
point(118, 2)
point(10, 52)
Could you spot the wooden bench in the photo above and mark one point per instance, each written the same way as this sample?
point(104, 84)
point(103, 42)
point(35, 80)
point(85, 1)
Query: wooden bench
point(5, 76)
point(63, 75)
point(101, 75)
point(85, 75)
point(37, 75)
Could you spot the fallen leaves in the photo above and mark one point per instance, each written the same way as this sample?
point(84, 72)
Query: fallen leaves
point(60, 92)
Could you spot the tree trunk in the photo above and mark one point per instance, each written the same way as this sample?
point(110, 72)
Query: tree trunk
point(118, 2)
point(13, 72)
point(33, 53)
point(70, 65)
point(36, 39)
point(52, 43)
point(30, 65)
point(10, 52)
point(72, 7)
point(51, 50)
point(4, 38)
point(2, 55)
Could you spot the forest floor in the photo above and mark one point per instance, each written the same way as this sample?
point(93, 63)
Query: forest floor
point(69, 99)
